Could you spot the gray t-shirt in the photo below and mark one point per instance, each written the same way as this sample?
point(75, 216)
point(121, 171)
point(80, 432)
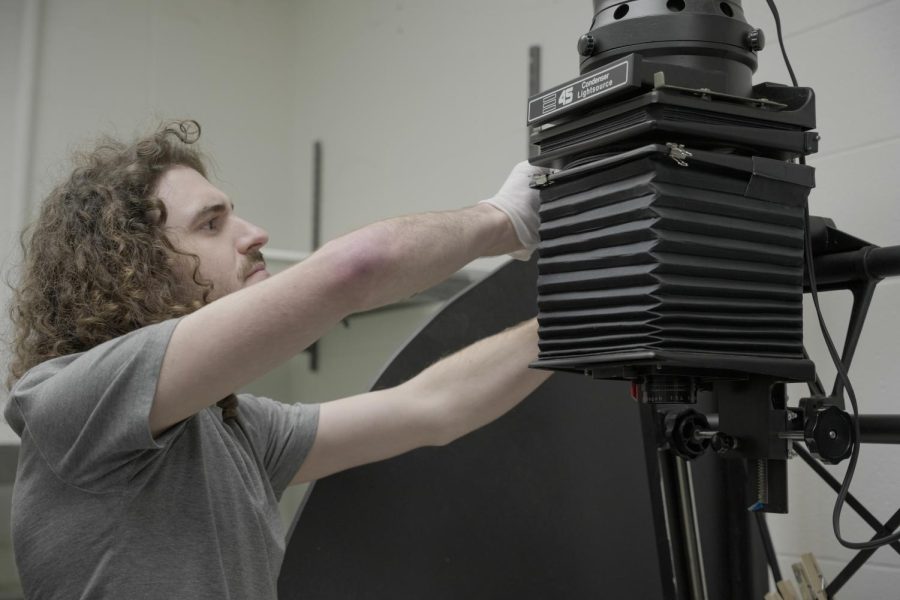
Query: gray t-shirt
point(101, 509)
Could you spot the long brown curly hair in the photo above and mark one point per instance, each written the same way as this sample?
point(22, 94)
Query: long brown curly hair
point(96, 262)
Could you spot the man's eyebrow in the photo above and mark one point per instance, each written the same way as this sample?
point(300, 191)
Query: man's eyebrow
point(211, 210)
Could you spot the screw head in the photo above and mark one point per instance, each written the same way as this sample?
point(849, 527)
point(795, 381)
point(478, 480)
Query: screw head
point(756, 40)
point(587, 45)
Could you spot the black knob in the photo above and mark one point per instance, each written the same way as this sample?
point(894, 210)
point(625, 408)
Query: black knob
point(587, 45)
point(756, 40)
point(680, 433)
point(829, 434)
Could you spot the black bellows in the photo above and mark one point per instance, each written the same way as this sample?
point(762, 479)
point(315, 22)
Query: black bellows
point(643, 258)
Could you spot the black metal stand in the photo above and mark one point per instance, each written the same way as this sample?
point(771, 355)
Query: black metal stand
point(844, 262)
point(880, 528)
point(755, 416)
point(879, 429)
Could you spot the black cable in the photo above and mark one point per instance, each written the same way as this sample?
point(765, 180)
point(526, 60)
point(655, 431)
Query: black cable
point(845, 379)
point(832, 351)
point(852, 502)
point(787, 62)
point(858, 561)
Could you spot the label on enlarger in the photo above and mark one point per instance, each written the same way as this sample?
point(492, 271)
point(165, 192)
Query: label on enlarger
point(590, 86)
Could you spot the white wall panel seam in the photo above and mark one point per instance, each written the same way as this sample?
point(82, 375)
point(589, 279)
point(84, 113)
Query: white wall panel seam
point(858, 148)
point(29, 64)
point(788, 35)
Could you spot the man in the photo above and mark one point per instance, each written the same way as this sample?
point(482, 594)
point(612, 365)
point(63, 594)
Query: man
point(145, 302)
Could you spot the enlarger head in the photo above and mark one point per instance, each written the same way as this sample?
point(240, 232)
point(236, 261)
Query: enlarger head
point(699, 43)
point(671, 249)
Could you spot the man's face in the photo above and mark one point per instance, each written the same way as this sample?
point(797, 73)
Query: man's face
point(201, 221)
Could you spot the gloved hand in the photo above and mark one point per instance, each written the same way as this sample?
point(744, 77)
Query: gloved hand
point(520, 202)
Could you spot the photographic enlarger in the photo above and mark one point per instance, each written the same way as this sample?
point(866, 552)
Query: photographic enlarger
point(676, 249)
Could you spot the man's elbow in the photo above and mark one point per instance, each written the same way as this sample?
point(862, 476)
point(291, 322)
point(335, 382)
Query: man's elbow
point(359, 267)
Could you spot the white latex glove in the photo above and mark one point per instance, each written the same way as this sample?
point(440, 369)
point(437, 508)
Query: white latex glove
point(520, 203)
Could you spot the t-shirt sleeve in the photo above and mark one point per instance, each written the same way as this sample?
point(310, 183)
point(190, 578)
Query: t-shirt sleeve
point(282, 435)
point(88, 413)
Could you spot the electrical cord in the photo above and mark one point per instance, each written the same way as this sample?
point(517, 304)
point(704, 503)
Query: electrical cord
point(832, 351)
point(787, 62)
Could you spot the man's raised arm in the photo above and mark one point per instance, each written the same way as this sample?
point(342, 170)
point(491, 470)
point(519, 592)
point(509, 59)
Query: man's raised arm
point(444, 402)
point(229, 343)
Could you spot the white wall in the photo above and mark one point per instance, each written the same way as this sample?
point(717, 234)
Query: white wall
point(121, 67)
point(420, 103)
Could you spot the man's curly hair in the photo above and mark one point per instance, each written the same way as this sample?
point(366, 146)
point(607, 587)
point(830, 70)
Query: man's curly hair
point(96, 262)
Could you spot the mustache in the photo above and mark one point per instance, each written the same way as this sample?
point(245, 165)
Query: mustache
point(253, 259)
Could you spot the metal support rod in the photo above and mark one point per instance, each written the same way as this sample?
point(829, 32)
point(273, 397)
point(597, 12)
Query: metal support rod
point(316, 231)
point(884, 262)
point(658, 470)
point(534, 81)
point(534, 70)
point(873, 429)
point(697, 580)
point(879, 429)
point(317, 196)
point(858, 265)
point(675, 534)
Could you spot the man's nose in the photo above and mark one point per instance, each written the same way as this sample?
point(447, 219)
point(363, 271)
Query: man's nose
point(252, 237)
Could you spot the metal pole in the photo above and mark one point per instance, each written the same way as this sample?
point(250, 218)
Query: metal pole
point(696, 576)
point(534, 82)
point(879, 429)
point(884, 262)
point(860, 559)
point(317, 196)
point(316, 232)
point(852, 502)
point(858, 265)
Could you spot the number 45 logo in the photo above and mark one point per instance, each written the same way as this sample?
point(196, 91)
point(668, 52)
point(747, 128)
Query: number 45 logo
point(565, 96)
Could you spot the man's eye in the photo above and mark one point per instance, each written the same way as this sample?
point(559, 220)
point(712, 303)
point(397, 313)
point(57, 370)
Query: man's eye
point(212, 224)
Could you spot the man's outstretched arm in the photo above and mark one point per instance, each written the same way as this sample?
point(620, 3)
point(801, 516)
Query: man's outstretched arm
point(231, 342)
point(446, 401)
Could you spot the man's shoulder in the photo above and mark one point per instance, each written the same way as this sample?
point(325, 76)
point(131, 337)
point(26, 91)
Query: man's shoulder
point(41, 372)
point(126, 344)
